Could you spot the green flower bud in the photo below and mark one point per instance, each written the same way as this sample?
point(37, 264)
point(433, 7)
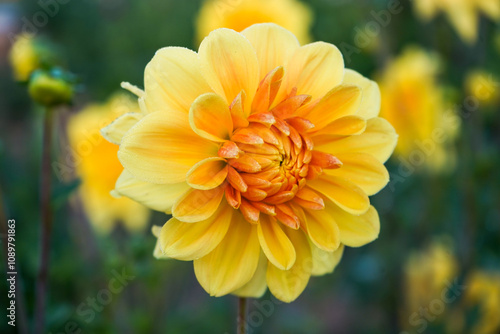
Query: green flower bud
point(50, 88)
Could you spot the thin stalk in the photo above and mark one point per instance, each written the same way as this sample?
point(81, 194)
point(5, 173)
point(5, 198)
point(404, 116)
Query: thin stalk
point(242, 315)
point(46, 219)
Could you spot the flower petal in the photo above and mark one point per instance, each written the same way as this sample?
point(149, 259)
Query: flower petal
point(257, 286)
point(363, 170)
point(322, 229)
point(287, 285)
point(115, 131)
point(275, 243)
point(210, 118)
point(370, 103)
point(158, 197)
point(379, 140)
point(342, 192)
point(172, 80)
point(207, 174)
point(325, 262)
point(314, 69)
point(273, 44)
point(229, 64)
point(233, 263)
point(356, 231)
point(162, 148)
point(344, 126)
point(197, 205)
point(341, 101)
point(186, 241)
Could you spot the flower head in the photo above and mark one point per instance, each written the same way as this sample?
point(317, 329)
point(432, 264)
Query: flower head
point(483, 86)
point(23, 57)
point(463, 14)
point(98, 167)
point(238, 15)
point(264, 151)
point(415, 103)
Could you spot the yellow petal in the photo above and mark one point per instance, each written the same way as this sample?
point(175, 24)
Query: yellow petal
point(273, 44)
point(322, 229)
point(210, 118)
point(190, 241)
point(275, 243)
point(314, 69)
point(196, 205)
point(363, 170)
point(344, 126)
point(158, 197)
point(257, 286)
point(339, 102)
point(325, 262)
point(229, 64)
point(344, 193)
point(370, 102)
point(172, 80)
point(115, 131)
point(162, 148)
point(355, 231)
point(157, 253)
point(287, 285)
point(207, 174)
point(233, 263)
point(379, 140)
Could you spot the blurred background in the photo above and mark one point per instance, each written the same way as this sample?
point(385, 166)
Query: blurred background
point(435, 267)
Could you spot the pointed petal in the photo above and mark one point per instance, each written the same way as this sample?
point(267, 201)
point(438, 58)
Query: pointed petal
point(275, 243)
point(196, 205)
point(287, 285)
point(325, 262)
point(207, 174)
point(115, 131)
point(210, 118)
point(230, 65)
point(363, 170)
point(158, 197)
point(233, 263)
point(172, 80)
point(322, 229)
point(190, 241)
point(162, 148)
point(273, 44)
point(257, 286)
point(344, 126)
point(379, 140)
point(370, 102)
point(344, 193)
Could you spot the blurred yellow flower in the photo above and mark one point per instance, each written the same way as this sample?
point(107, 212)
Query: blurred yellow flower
point(415, 104)
point(240, 14)
point(267, 174)
point(23, 57)
point(429, 276)
point(98, 167)
point(483, 86)
point(463, 14)
point(483, 291)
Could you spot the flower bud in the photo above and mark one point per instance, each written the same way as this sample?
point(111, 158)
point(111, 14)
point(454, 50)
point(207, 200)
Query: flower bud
point(50, 88)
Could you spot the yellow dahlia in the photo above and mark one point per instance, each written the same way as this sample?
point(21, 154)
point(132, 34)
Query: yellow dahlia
point(238, 15)
point(463, 14)
point(265, 153)
point(483, 291)
point(23, 57)
point(483, 86)
point(98, 167)
point(415, 103)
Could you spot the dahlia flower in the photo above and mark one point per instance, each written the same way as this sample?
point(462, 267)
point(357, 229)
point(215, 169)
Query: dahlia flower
point(24, 57)
point(264, 152)
point(98, 167)
point(463, 14)
point(416, 104)
point(292, 15)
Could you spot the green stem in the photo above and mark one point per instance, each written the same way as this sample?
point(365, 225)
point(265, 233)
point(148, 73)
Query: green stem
point(46, 220)
point(242, 315)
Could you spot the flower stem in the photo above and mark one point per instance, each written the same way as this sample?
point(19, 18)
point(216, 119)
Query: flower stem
point(46, 220)
point(242, 315)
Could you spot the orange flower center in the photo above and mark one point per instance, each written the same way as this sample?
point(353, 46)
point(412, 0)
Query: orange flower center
point(270, 156)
